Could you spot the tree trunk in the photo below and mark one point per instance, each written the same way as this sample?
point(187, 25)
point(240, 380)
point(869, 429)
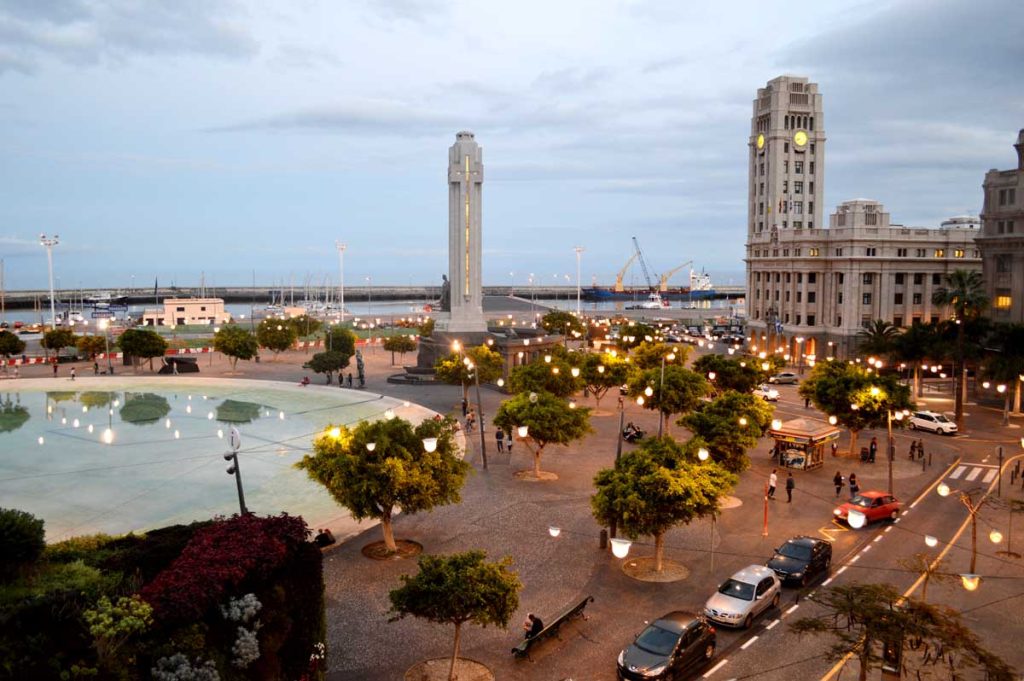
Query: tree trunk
point(853, 442)
point(536, 463)
point(924, 585)
point(959, 373)
point(918, 386)
point(865, 656)
point(1016, 397)
point(597, 399)
point(455, 651)
point(389, 533)
point(668, 423)
point(659, 551)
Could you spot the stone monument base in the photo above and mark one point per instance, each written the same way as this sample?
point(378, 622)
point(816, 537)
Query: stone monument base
point(439, 345)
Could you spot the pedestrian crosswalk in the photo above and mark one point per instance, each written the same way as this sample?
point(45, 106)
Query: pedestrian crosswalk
point(972, 473)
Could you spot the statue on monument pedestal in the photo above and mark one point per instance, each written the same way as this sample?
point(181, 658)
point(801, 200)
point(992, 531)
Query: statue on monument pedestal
point(446, 294)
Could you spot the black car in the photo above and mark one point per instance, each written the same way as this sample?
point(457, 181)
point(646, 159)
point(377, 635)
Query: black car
point(801, 559)
point(674, 643)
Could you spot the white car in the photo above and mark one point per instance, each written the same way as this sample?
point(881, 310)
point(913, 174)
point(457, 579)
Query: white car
point(930, 420)
point(744, 596)
point(767, 393)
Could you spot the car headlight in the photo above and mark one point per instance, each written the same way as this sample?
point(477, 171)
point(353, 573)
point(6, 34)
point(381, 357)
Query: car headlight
point(797, 575)
point(838, 511)
point(622, 657)
point(655, 671)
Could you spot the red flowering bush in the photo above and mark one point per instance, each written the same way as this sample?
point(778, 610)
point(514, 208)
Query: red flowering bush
point(218, 559)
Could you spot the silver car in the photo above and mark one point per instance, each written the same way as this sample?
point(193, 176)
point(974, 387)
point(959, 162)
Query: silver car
point(744, 596)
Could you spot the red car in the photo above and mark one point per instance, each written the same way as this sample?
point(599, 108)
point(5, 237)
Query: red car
point(873, 506)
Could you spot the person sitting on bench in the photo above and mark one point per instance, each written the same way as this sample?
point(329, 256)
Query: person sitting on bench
point(324, 538)
point(533, 625)
point(304, 381)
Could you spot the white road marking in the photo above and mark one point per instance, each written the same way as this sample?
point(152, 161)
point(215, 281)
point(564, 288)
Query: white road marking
point(854, 559)
point(827, 582)
point(888, 530)
point(958, 472)
point(840, 571)
point(773, 623)
point(879, 537)
point(866, 549)
point(990, 476)
point(975, 472)
point(714, 669)
point(748, 643)
point(791, 609)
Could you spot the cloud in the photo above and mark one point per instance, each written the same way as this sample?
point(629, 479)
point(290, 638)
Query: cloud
point(415, 11)
point(80, 32)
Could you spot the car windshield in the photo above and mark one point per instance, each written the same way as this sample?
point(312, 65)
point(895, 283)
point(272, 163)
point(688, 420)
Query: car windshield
point(861, 501)
point(798, 551)
point(656, 640)
point(740, 590)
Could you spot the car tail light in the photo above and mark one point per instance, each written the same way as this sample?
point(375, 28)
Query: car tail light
point(711, 629)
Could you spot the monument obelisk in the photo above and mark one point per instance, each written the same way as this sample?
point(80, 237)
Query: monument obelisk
point(465, 191)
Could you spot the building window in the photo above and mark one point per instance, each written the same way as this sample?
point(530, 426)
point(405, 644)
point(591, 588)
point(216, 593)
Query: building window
point(865, 321)
point(842, 277)
point(810, 223)
point(901, 252)
point(917, 299)
point(760, 208)
point(1007, 197)
point(798, 187)
point(785, 186)
point(1003, 299)
point(785, 166)
point(839, 320)
point(179, 309)
point(810, 320)
point(810, 297)
point(921, 253)
point(757, 294)
point(812, 167)
point(918, 279)
point(776, 296)
point(797, 252)
point(785, 147)
point(871, 219)
point(785, 252)
point(812, 277)
point(812, 188)
point(799, 297)
point(798, 166)
point(814, 252)
point(940, 253)
point(866, 299)
point(775, 252)
point(839, 252)
point(839, 298)
point(958, 253)
point(1004, 263)
point(789, 277)
point(798, 320)
point(812, 150)
point(900, 277)
point(871, 251)
point(936, 279)
point(798, 207)
point(798, 224)
point(810, 206)
point(760, 170)
point(897, 299)
point(787, 318)
point(799, 277)
point(867, 279)
point(778, 277)
point(897, 321)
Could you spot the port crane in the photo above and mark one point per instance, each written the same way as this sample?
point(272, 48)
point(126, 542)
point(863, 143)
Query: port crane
point(665, 277)
point(643, 266)
point(622, 273)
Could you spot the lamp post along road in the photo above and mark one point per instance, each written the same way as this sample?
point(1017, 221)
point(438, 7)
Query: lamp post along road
point(480, 409)
point(341, 275)
point(579, 253)
point(236, 444)
point(48, 243)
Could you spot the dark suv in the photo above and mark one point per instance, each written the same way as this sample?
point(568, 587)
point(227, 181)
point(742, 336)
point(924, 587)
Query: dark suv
point(672, 644)
point(801, 559)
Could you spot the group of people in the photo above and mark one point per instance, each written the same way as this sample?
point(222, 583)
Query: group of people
point(839, 481)
point(503, 440)
point(773, 480)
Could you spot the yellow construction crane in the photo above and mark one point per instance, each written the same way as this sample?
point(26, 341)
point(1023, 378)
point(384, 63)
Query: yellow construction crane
point(618, 277)
point(665, 277)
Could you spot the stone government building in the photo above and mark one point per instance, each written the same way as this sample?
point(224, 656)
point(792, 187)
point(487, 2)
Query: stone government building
point(1002, 239)
point(811, 288)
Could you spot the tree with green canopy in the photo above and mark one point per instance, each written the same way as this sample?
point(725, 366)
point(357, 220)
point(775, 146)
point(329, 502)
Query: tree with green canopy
point(548, 419)
point(235, 343)
point(730, 424)
point(1004, 362)
point(276, 335)
point(632, 334)
point(399, 343)
point(305, 325)
point(457, 589)
point(658, 486)
point(730, 374)
point(426, 329)
point(865, 618)
point(912, 347)
point(679, 392)
point(142, 344)
point(340, 339)
point(964, 292)
point(858, 399)
point(562, 323)
point(395, 472)
point(648, 355)
point(602, 372)
point(454, 368)
point(90, 346)
point(57, 339)
point(877, 338)
point(554, 377)
point(10, 344)
point(327, 363)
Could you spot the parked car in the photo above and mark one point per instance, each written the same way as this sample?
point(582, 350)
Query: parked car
point(744, 596)
point(873, 505)
point(801, 559)
point(784, 377)
point(930, 420)
point(669, 646)
point(766, 392)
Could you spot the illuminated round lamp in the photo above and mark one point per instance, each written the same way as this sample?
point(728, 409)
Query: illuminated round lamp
point(776, 424)
point(711, 375)
point(600, 368)
point(501, 382)
point(765, 366)
point(554, 531)
point(943, 490)
point(108, 436)
point(732, 351)
point(467, 362)
point(832, 420)
point(220, 434)
point(85, 409)
point(40, 440)
point(995, 536)
point(743, 364)
point(572, 404)
point(711, 346)
point(671, 357)
point(547, 359)
point(90, 428)
point(75, 423)
point(986, 385)
point(743, 420)
point(762, 355)
point(1000, 388)
point(930, 540)
point(280, 415)
point(177, 435)
point(942, 374)
point(648, 391)
point(554, 370)
point(854, 407)
point(640, 400)
point(430, 444)
point(370, 446)
point(970, 581)
point(614, 353)
point(786, 357)
point(456, 346)
point(209, 416)
point(703, 454)
point(490, 341)
point(620, 547)
point(575, 371)
point(526, 341)
point(407, 404)
point(856, 519)
point(648, 339)
point(898, 416)
point(335, 432)
point(533, 398)
point(63, 420)
point(875, 391)
point(879, 364)
point(389, 413)
point(167, 423)
point(519, 354)
point(188, 409)
point(523, 431)
point(700, 343)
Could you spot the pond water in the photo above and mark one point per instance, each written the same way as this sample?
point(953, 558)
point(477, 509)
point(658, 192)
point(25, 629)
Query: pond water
point(118, 455)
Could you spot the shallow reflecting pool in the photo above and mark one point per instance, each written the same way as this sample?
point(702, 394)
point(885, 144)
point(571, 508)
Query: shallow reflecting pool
point(115, 455)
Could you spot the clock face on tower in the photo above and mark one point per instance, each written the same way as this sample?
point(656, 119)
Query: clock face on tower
point(800, 138)
point(760, 141)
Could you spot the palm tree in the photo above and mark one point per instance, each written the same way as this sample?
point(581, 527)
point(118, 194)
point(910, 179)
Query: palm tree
point(878, 338)
point(913, 347)
point(964, 292)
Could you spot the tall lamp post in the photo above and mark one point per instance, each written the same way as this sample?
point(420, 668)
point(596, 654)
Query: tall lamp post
point(890, 416)
point(48, 243)
point(579, 253)
point(480, 410)
point(800, 354)
point(341, 275)
point(232, 456)
point(661, 389)
point(105, 325)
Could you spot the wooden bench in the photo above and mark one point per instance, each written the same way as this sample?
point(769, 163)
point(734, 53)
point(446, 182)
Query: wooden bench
point(523, 649)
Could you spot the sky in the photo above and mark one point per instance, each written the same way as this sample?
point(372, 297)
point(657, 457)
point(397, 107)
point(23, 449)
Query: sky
point(162, 139)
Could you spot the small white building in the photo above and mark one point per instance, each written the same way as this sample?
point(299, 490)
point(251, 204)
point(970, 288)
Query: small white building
point(180, 311)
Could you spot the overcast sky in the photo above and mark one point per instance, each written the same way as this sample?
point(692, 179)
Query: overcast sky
point(163, 138)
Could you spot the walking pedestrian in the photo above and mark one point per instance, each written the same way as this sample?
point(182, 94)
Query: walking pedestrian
point(807, 403)
point(790, 486)
point(835, 448)
point(72, 373)
point(508, 443)
point(837, 480)
point(470, 420)
point(96, 368)
point(499, 438)
point(854, 487)
point(920, 448)
point(348, 379)
point(55, 367)
point(872, 449)
point(772, 480)
point(913, 450)
point(17, 373)
point(622, 404)
point(465, 407)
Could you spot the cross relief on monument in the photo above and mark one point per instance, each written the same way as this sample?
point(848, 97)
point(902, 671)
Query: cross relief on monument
point(465, 193)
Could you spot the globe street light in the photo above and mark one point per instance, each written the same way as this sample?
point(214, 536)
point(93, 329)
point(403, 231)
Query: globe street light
point(341, 275)
point(48, 243)
point(579, 253)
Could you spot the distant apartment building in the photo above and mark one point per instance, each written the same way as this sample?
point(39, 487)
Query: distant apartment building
point(181, 311)
point(811, 287)
point(1002, 239)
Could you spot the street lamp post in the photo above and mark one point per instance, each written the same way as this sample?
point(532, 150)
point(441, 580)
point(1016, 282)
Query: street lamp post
point(661, 389)
point(579, 253)
point(48, 243)
point(233, 469)
point(341, 275)
point(890, 415)
point(480, 411)
point(105, 325)
point(1001, 389)
point(800, 354)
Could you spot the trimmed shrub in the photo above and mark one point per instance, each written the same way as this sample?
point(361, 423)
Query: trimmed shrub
point(22, 540)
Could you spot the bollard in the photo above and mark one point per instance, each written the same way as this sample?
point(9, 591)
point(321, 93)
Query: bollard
point(923, 462)
point(603, 539)
point(929, 459)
